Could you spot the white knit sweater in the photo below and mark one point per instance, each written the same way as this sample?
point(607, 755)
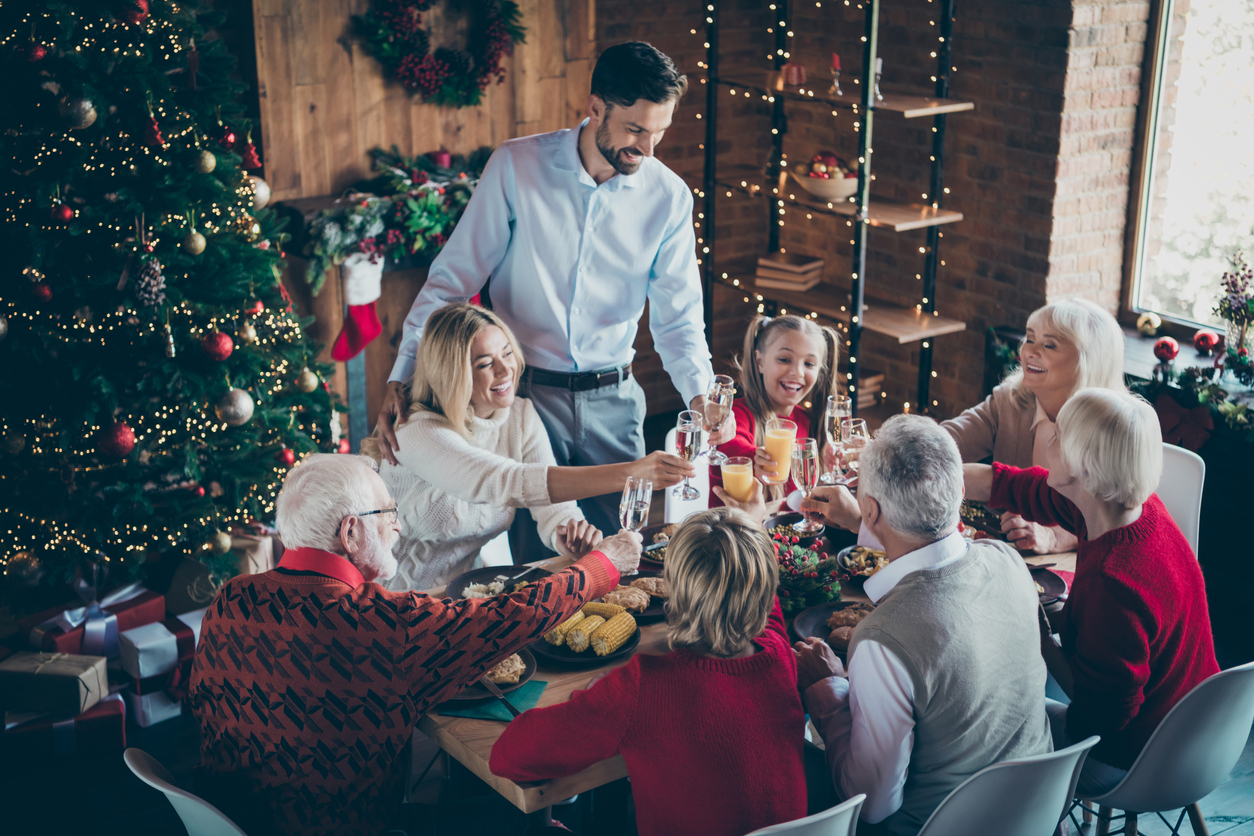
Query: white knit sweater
point(455, 494)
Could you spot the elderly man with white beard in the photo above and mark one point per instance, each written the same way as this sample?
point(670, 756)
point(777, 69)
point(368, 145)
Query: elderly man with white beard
point(308, 679)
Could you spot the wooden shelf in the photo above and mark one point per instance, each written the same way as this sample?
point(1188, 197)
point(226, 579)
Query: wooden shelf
point(771, 84)
point(905, 325)
point(887, 214)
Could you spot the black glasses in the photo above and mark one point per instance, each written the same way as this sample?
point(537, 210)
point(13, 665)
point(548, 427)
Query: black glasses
point(394, 511)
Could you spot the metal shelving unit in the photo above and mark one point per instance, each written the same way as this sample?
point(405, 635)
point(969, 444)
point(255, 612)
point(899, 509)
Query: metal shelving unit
point(905, 325)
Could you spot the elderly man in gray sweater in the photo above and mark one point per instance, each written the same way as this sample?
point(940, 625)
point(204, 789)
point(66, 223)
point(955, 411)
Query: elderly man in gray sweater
point(945, 675)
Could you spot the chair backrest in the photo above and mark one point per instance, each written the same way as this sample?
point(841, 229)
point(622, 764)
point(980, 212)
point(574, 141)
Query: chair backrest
point(1026, 797)
point(1194, 747)
point(1180, 489)
point(678, 510)
point(841, 820)
point(199, 816)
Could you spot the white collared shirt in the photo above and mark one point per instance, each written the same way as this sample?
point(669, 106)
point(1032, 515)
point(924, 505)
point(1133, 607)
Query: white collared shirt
point(1044, 431)
point(867, 720)
point(571, 263)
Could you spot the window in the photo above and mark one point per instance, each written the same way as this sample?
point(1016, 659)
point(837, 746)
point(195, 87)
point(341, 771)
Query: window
point(1193, 185)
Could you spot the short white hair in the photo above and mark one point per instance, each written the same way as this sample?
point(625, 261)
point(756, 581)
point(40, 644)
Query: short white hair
point(1112, 443)
point(318, 494)
point(913, 470)
point(1097, 338)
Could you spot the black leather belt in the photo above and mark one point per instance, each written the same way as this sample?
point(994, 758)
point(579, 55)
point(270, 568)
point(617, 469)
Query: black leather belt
point(579, 381)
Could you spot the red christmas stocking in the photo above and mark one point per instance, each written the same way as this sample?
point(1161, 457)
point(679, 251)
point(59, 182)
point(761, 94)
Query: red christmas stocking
point(362, 285)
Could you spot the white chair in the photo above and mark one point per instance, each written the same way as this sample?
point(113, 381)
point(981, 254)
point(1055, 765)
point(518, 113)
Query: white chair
point(841, 820)
point(496, 552)
point(1188, 755)
point(678, 510)
point(199, 816)
point(1180, 489)
point(1026, 797)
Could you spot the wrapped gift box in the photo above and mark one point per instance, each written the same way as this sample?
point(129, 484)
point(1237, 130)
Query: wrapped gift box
point(62, 629)
point(60, 683)
point(153, 708)
point(256, 553)
point(192, 588)
point(155, 648)
point(100, 730)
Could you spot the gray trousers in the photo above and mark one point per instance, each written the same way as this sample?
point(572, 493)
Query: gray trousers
point(599, 426)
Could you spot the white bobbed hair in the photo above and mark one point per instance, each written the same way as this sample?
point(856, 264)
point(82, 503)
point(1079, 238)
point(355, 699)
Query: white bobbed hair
point(318, 494)
point(913, 470)
point(1112, 443)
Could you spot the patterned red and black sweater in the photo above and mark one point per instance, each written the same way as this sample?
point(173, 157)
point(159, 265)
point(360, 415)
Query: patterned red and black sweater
point(307, 685)
point(1135, 628)
point(713, 746)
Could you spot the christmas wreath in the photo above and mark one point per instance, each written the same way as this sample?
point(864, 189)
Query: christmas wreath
point(394, 34)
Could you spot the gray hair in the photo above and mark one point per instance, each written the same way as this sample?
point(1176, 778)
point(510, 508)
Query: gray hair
point(318, 494)
point(912, 468)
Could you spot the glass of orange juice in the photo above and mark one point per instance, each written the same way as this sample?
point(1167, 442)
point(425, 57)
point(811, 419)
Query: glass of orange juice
point(780, 434)
point(738, 478)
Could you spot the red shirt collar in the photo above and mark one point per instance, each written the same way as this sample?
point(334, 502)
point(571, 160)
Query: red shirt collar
point(324, 563)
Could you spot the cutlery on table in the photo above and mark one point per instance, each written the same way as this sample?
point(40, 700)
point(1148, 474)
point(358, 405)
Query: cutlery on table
point(496, 692)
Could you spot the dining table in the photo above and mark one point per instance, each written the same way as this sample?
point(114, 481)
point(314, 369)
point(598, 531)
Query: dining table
point(469, 741)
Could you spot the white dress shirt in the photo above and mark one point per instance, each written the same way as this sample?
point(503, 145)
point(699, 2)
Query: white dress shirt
point(571, 263)
point(867, 720)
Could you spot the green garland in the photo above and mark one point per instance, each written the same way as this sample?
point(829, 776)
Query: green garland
point(1194, 387)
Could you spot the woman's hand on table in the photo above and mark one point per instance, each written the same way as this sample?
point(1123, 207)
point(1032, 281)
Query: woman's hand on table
point(623, 550)
point(755, 507)
point(578, 537)
point(391, 415)
point(815, 662)
point(662, 469)
point(836, 505)
point(1028, 536)
point(765, 467)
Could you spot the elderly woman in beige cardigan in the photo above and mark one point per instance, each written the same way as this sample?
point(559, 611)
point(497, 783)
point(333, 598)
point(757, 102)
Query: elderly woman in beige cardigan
point(472, 452)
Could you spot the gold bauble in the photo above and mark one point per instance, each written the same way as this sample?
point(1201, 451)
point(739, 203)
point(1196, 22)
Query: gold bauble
point(306, 381)
point(235, 408)
point(24, 568)
point(206, 162)
point(15, 443)
point(220, 542)
point(246, 333)
point(194, 243)
point(1148, 323)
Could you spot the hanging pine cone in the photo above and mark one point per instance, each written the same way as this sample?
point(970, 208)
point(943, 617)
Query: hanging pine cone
point(150, 284)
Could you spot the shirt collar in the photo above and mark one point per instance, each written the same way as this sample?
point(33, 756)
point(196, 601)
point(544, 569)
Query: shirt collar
point(324, 563)
point(567, 159)
point(932, 556)
point(1040, 416)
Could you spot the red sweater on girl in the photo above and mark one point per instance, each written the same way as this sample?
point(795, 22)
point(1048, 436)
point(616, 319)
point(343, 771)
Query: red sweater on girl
point(713, 746)
point(1135, 628)
point(745, 444)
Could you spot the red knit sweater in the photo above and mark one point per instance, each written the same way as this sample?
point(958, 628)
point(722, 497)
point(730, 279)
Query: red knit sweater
point(745, 443)
point(1135, 628)
point(713, 746)
point(307, 686)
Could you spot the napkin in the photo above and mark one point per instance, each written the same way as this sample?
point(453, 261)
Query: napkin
point(523, 699)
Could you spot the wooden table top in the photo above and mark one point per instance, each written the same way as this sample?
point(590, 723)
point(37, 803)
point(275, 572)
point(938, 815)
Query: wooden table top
point(470, 741)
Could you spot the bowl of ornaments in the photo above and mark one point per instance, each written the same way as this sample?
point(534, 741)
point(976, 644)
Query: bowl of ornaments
point(827, 176)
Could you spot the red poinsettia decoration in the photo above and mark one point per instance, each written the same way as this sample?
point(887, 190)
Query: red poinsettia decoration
point(1188, 428)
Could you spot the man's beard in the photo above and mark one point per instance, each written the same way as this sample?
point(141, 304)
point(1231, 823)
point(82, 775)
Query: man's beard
point(378, 557)
point(614, 156)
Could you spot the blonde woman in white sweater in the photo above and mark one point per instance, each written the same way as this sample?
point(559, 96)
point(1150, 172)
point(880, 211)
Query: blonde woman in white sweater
point(471, 452)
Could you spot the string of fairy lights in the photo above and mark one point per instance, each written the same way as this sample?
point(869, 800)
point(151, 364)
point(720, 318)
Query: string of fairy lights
point(803, 92)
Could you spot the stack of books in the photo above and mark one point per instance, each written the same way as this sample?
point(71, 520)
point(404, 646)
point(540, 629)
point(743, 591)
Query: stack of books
point(786, 271)
point(869, 385)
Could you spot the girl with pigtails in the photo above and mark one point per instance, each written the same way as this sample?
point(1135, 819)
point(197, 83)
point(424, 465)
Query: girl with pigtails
point(787, 370)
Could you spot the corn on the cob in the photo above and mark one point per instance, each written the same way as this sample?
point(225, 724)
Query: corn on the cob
point(606, 611)
point(557, 636)
point(580, 636)
point(611, 635)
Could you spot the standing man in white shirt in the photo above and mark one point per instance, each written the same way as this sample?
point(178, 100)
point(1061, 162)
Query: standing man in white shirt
point(945, 675)
point(569, 233)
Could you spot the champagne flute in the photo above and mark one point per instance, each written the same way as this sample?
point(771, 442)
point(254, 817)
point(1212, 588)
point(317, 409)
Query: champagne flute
point(805, 474)
point(688, 446)
point(854, 436)
point(838, 409)
point(633, 509)
point(718, 404)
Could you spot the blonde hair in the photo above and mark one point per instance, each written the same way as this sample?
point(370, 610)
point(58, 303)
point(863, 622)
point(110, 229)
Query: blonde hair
point(763, 331)
point(722, 574)
point(1096, 336)
point(1112, 442)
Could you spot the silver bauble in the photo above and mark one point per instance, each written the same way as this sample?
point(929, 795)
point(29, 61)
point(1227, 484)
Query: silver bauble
point(194, 243)
point(235, 408)
point(24, 568)
point(261, 191)
point(4, 326)
point(306, 381)
point(206, 162)
point(77, 111)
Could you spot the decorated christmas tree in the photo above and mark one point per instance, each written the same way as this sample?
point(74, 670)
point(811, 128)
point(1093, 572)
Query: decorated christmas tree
point(155, 383)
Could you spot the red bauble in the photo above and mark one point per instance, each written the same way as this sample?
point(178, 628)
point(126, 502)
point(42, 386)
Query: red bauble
point(1206, 341)
point(1166, 349)
point(345, 447)
point(116, 440)
point(288, 457)
point(255, 308)
point(41, 291)
point(63, 213)
point(228, 137)
point(36, 53)
point(217, 346)
point(153, 135)
point(134, 12)
point(200, 491)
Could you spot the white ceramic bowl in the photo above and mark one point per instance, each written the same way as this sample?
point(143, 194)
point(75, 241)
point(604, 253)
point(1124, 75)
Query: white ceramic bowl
point(829, 190)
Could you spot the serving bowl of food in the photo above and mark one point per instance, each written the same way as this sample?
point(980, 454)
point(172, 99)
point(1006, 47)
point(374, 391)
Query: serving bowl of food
point(490, 581)
point(782, 524)
point(860, 562)
point(827, 176)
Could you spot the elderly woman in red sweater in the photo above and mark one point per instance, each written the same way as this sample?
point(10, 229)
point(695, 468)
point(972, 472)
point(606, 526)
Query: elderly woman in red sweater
point(1135, 631)
point(712, 732)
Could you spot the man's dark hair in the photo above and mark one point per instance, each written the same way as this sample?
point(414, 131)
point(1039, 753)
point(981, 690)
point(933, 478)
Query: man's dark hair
point(628, 72)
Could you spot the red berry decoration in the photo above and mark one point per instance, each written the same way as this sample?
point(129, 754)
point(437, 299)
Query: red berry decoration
point(116, 440)
point(255, 308)
point(228, 137)
point(63, 213)
point(41, 291)
point(36, 53)
point(1206, 342)
point(153, 135)
point(200, 491)
point(1166, 349)
point(287, 456)
point(217, 346)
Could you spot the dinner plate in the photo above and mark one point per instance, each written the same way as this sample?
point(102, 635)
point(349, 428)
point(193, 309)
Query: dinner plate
point(476, 691)
point(487, 574)
point(563, 655)
point(813, 622)
point(977, 515)
point(1055, 586)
